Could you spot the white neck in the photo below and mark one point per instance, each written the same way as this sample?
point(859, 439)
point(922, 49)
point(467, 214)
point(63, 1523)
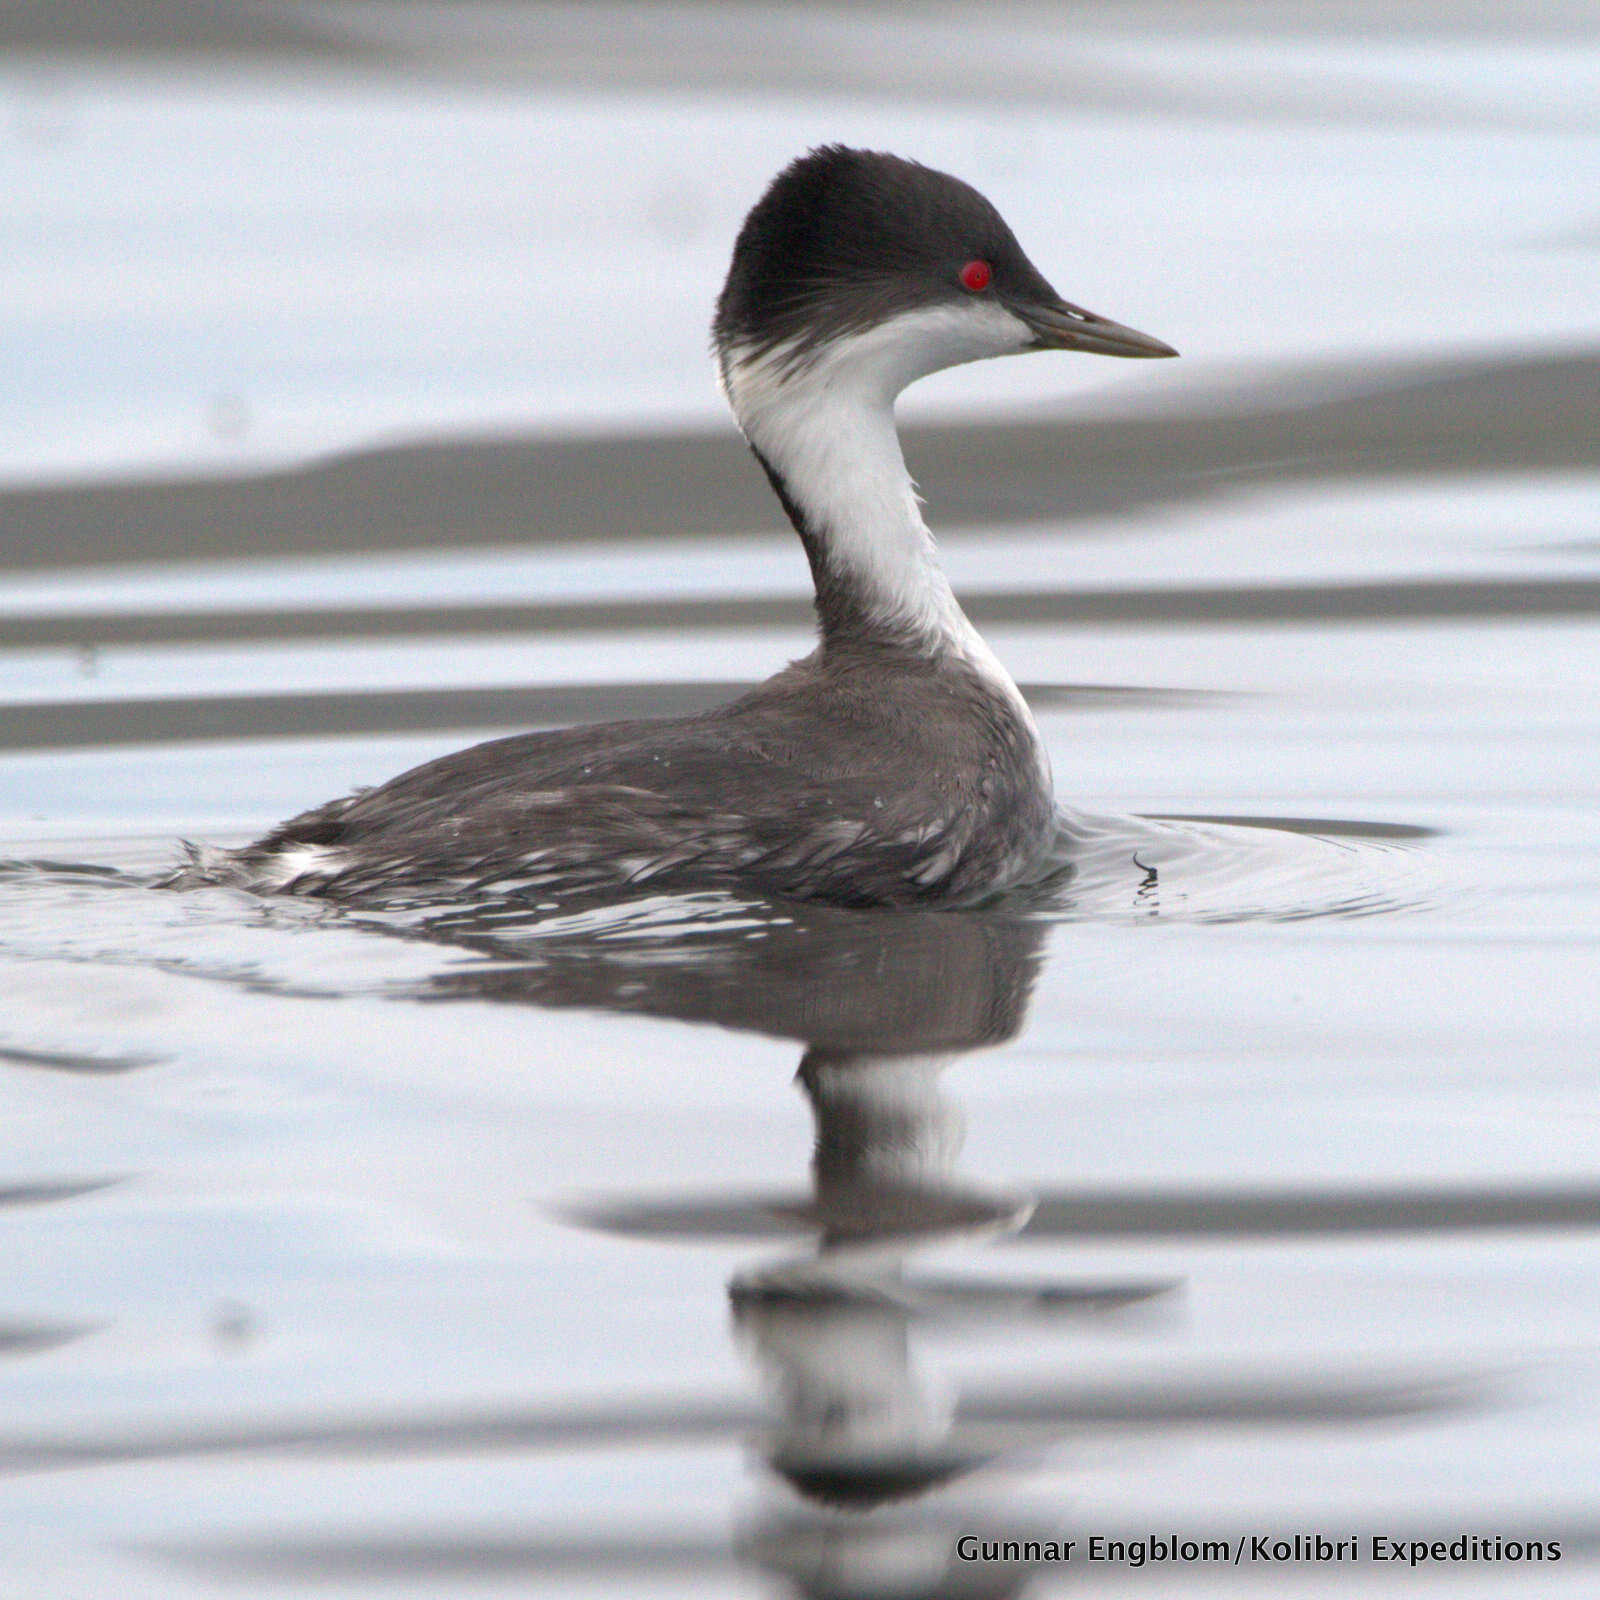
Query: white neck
point(824, 422)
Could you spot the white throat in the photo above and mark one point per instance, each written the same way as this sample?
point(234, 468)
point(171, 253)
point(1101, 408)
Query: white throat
point(824, 421)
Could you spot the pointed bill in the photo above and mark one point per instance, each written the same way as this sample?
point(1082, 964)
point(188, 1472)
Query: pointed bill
point(1060, 326)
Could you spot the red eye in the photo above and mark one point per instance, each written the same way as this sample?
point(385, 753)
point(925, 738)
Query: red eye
point(976, 275)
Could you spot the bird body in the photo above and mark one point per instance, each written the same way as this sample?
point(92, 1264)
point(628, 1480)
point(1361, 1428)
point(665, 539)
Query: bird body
point(898, 764)
point(830, 781)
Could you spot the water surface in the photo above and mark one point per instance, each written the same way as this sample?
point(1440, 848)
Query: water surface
point(1243, 1184)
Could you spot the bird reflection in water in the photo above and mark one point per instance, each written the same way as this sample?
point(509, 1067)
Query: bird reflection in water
point(875, 1474)
point(882, 1004)
point(831, 1330)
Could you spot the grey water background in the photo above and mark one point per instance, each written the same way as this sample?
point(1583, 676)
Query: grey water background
point(357, 407)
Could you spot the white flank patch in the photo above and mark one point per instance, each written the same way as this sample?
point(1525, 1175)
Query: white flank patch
point(301, 861)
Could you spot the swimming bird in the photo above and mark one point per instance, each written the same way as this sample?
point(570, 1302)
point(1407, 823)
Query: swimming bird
point(898, 763)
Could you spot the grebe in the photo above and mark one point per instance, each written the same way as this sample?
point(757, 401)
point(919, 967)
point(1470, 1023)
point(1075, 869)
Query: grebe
point(898, 763)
